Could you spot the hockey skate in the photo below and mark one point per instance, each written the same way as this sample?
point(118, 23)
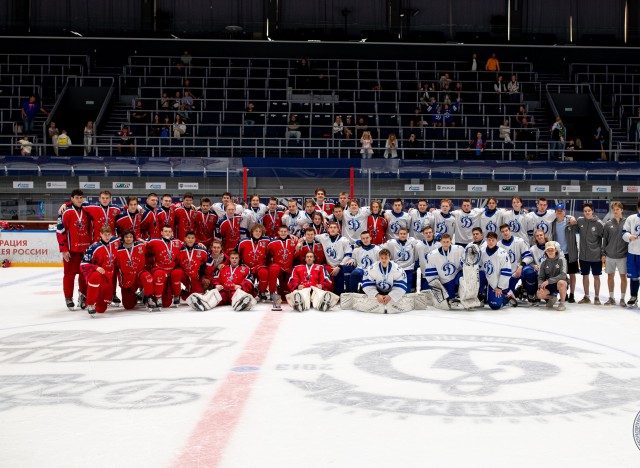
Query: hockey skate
point(115, 300)
point(326, 302)
point(152, 304)
point(298, 303)
point(633, 301)
point(176, 301)
point(277, 300)
point(92, 311)
point(82, 299)
point(70, 304)
point(243, 304)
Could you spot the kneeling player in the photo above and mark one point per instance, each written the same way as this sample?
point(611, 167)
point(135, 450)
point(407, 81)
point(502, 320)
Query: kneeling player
point(167, 277)
point(233, 285)
point(495, 273)
point(442, 273)
point(195, 263)
point(130, 267)
point(385, 288)
point(97, 267)
point(309, 284)
point(552, 277)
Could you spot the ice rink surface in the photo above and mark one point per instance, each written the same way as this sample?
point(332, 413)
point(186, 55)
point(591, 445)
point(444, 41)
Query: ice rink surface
point(521, 387)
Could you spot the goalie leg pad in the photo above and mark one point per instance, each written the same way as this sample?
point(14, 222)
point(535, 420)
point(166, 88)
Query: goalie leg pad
point(323, 300)
point(346, 300)
point(300, 299)
point(205, 301)
point(437, 301)
point(469, 287)
point(405, 304)
point(242, 301)
point(420, 300)
point(364, 303)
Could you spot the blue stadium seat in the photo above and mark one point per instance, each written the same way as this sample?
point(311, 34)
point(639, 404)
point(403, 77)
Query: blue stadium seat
point(156, 167)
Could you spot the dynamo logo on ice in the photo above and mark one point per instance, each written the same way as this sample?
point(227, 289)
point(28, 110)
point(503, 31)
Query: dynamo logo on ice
point(466, 376)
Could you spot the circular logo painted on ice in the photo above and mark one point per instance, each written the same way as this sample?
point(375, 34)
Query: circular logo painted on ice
point(636, 430)
point(472, 376)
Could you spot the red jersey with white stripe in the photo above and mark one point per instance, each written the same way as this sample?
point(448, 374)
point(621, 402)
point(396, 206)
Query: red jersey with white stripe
point(166, 217)
point(377, 226)
point(129, 221)
point(149, 224)
point(73, 230)
point(307, 276)
point(195, 261)
point(185, 220)
point(282, 252)
point(130, 262)
point(165, 252)
point(231, 231)
point(326, 208)
point(272, 221)
point(101, 254)
point(315, 247)
point(206, 227)
point(101, 216)
point(229, 276)
point(253, 252)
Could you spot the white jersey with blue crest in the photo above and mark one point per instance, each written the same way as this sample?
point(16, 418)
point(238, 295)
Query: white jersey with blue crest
point(403, 253)
point(518, 222)
point(444, 265)
point(538, 253)
point(491, 222)
point(496, 267)
point(419, 221)
point(632, 228)
point(422, 250)
point(444, 224)
point(365, 257)
point(541, 221)
point(397, 221)
point(336, 251)
point(517, 251)
point(391, 280)
point(354, 224)
point(465, 222)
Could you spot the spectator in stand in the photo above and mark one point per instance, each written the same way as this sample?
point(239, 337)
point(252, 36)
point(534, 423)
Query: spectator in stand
point(183, 113)
point(513, 87)
point(558, 132)
point(63, 142)
point(139, 119)
point(416, 119)
point(492, 64)
point(521, 114)
point(478, 145)
point(156, 127)
point(125, 139)
point(424, 92)
point(600, 139)
point(338, 127)
point(175, 104)
point(447, 115)
point(361, 127)
point(457, 91)
point(25, 146)
point(165, 102)
point(436, 117)
point(445, 81)
point(498, 86)
point(293, 128)
point(412, 147)
point(186, 58)
point(391, 147)
point(29, 110)
point(569, 150)
point(348, 127)
point(524, 133)
point(53, 134)
point(88, 137)
point(474, 62)
point(367, 142)
point(179, 127)
point(166, 127)
point(445, 95)
point(505, 132)
point(186, 86)
point(250, 117)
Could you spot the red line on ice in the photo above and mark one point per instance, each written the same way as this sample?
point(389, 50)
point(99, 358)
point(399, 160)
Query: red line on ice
point(207, 443)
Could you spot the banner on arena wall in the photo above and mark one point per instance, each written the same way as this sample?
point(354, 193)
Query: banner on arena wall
point(155, 185)
point(122, 185)
point(56, 184)
point(631, 188)
point(445, 188)
point(508, 188)
point(601, 188)
point(90, 185)
point(188, 185)
point(22, 184)
point(539, 188)
point(413, 187)
point(570, 188)
point(476, 188)
point(38, 248)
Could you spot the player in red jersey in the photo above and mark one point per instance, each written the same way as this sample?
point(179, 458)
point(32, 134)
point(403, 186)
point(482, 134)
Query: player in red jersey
point(130, 219)
point(218, 259)
point(73, 239)
point(149, 225)
point(309, 284)
point(185, 217)
point(253, 253)
point(167, 277)
point(206, 222)
point(232, 228)
point(323, 206)
point(97, 268)
point(103, 213)
point(130, 270)
point(195, 263)
point(166, 212)
point(281, 252)
point(309, 244)
point(377, 224)
point(272, 219)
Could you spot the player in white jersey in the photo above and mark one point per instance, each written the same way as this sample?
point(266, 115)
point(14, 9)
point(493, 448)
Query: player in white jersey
point(478, 237)
point(443, 220)
point(355, 221)
point(540, 219)
point(520, 257)
point(218, 208)
point(444, 267)
point(403, 253)
point(491, 217)
point(397, 219)
point(295, 219)
point(423, 248)
point(420, 219)
point(631, 234)
point(385, 288)
point(364, 257)
point(495, 272)
point(256, 209)
point(517, 220)
point(338, 252)
point(466, 219)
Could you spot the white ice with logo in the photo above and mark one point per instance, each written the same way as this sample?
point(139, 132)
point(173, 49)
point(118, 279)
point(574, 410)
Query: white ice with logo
point(525, 387)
